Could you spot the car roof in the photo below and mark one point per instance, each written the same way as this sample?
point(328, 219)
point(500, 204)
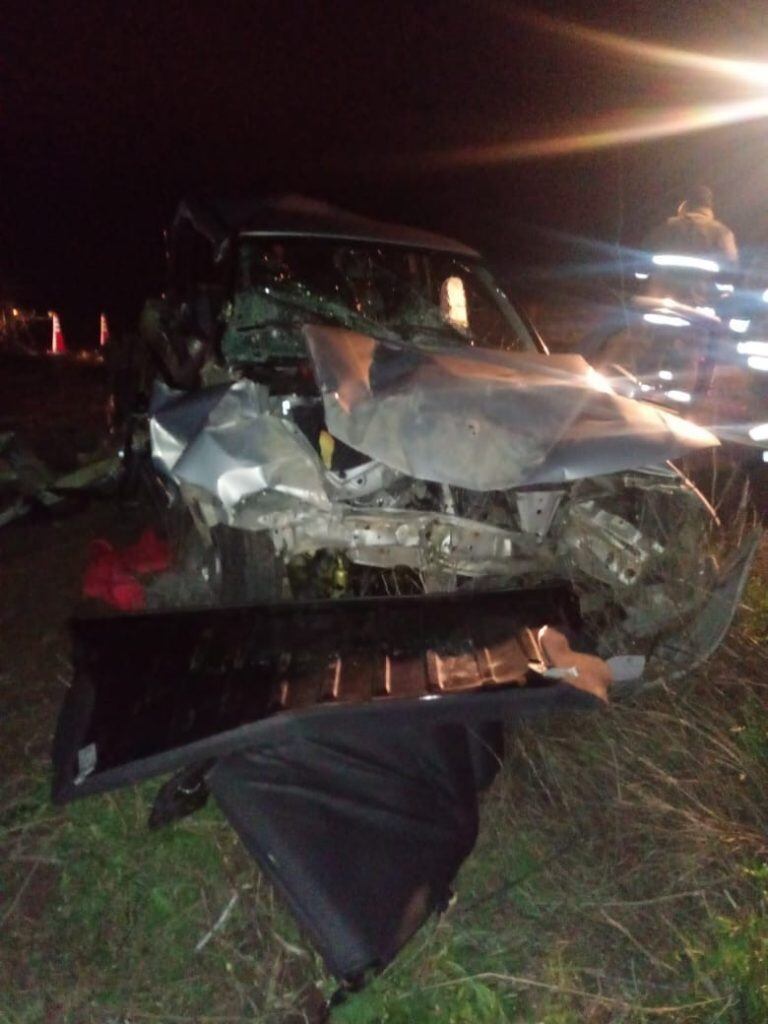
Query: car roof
point(292, 215)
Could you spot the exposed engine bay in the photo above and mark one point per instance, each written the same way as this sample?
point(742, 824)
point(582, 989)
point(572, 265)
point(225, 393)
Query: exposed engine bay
point(293, 511)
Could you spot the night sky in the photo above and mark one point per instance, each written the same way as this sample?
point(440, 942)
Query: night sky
point(112, 112)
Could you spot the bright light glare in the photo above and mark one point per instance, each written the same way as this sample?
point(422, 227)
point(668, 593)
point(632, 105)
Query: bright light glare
point(453, 302)
point(644, 277)
point(620, 128)
point(598, 381)
point(765, 456)
point(635, 127)
point(678, 396)
point(665, 374)
point(752, 348)
point(706, 310)
point(749, 71)
point(692, 431)
point(758, 363)
point(739, 326)
point(725, 289)
point(667, 259)
point(617, 129)
point(759, 432)
point(665, 320)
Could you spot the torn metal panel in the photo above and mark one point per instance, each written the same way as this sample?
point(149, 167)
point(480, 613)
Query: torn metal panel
point(537, 509)
point(227, 442)
point(584, 671)
point(91, 475)
point(390, 537)
point(606, 546)
point(361, 830)
point(176, 418)
point(21, 468)
point(152, 692)
point(14, 509)
point(486, 420)
point(27, 483)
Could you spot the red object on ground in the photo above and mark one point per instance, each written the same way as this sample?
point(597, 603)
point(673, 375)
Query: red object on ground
point(106, 579)
point(110, 575)
point(149, 554)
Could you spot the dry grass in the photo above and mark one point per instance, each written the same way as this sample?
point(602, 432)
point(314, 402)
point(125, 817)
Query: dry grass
point(620, 876)
point(622, 872)
point(649, 826)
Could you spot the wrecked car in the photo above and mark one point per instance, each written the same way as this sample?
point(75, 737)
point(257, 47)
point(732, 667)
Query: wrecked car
point(363, 412)
point(399, 520)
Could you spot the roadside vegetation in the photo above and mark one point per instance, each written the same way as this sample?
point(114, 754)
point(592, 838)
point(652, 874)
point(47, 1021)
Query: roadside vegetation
point(621, 875)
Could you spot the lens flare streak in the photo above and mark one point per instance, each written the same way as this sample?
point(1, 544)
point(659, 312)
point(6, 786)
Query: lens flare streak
point(633, 126)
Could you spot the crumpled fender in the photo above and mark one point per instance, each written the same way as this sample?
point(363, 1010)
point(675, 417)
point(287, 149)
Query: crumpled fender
point(487, 420)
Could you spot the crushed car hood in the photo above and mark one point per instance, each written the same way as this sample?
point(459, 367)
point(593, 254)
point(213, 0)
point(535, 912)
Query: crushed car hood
point(483, 419)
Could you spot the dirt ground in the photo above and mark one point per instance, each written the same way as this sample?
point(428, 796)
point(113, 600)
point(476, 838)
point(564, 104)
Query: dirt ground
point(57, 410)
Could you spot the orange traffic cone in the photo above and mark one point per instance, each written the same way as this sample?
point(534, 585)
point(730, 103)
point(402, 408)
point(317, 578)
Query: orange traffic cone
point(103, 330)
point(57, 336)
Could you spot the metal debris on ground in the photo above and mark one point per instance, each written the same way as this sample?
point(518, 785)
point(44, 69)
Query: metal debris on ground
point(27, 483)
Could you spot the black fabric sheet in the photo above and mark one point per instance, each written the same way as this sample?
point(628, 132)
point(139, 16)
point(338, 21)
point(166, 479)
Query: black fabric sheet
point(362, 830)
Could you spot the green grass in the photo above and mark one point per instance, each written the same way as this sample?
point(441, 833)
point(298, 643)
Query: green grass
point(621, 875)
point(113, 931)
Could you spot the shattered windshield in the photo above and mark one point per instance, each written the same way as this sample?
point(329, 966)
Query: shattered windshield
point(431, 299)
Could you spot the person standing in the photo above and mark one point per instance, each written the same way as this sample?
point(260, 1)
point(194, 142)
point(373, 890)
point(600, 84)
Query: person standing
point(693, 235)
point(692, 255)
